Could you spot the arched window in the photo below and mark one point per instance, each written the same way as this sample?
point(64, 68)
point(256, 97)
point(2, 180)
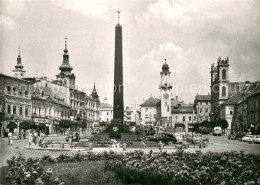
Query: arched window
point(223, 91)
point(224, 74)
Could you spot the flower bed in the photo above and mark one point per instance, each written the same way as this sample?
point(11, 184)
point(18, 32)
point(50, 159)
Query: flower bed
point(188, 168)
point(139, 168)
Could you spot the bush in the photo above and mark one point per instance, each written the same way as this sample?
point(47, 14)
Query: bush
point(187, 168)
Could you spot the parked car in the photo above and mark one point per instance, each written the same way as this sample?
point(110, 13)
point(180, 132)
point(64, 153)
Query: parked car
point(75, 137)
point(240, 136)
point(247, 138)
point(217, 131)
point(251, 138)
point(257, 139)
point(179, 136)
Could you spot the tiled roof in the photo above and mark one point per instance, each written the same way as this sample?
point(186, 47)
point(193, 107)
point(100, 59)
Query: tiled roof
point(151, 102)
point(182, 109)
point(203, 97)
point(105, 105)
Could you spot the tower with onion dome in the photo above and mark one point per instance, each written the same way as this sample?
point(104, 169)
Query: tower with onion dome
point(66, 77)
point(19, 72)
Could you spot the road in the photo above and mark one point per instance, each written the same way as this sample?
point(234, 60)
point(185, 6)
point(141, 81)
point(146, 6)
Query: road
point(216, 144)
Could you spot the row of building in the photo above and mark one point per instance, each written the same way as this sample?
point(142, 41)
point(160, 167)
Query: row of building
point(236, 102)
point(46, 101)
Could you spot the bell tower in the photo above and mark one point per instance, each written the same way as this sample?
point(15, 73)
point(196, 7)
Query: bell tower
point(19, 72)
point(223, 79)
point(165, 88)
point(66, 77)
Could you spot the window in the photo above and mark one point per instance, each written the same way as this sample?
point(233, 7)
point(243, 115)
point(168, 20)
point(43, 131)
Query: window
point(194, 118)
point(107, 113)
point(189, 118)
point(49, 112)
point(224, 74)
point(14, 89)
point(39, 111)
point(21, 111)
point(206, 110)
point(8, 88)
point(176, 117)
point(9, 109)
point(231, 112)
point(14, 109)
point(200, 110)
point(26, 93)
point(154, 116)
point(26, 111)
point(223, 91)
point(207, 103)
point(146, 116)
point(183, 118)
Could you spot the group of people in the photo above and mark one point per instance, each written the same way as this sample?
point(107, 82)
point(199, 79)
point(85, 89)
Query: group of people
point(37, 139)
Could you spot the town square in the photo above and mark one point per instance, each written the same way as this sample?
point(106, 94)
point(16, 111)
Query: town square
point(129, 92)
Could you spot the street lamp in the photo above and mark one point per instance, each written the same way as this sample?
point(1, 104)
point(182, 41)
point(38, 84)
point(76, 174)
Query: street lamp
point(18, 127)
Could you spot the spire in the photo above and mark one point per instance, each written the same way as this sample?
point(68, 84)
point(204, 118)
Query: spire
point(65, 66)
point(94, 92)
point(18, 71)
point(165, 66)
point(118, 14)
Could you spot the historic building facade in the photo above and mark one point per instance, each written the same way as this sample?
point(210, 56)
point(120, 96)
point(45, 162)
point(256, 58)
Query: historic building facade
point(106, 112)
point(202, 108)
point(16, 101)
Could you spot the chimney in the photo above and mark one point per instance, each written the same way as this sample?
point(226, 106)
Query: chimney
point(105, 100)
point(176, 97)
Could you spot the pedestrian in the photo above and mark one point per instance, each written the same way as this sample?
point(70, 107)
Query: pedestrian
point(35, 135)
point(30, 138)
point(10, 138)
point(43, 140)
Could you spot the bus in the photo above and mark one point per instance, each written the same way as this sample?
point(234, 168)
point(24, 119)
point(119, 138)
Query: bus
point(217, 131)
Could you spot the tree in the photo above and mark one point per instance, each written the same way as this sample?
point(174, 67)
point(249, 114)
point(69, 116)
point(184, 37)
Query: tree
point(25, 125)
point(11, 126)
point(206, 124)
point(102, 123)
point(64, 124)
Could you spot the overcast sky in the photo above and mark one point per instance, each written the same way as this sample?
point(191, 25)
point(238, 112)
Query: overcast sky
point(190, 34)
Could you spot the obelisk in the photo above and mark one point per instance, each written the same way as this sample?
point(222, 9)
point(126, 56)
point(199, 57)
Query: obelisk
point(118, 108)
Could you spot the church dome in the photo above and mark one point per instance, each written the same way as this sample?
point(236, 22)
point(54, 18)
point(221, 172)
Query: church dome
point(66, 67)
point(165, 67)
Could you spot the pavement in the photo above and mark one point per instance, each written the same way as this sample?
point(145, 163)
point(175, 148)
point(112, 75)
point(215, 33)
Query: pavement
point(216, 144)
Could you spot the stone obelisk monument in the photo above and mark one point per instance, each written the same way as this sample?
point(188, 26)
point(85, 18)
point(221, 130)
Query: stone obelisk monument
point(118, 106)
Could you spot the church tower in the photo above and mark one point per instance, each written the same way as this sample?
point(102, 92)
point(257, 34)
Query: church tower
point(18, 71)
point(65, 77)
point(223, 79)
point(165, 88)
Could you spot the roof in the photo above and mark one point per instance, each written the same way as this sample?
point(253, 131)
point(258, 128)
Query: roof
point(16, 78)
point(183, 109)
point(203, 97)
point(105, 105)
point(240, 95)
point(256, 90)
point(151, 102)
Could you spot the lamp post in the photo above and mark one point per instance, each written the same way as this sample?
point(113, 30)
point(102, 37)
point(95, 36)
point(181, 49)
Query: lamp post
point(17, 120)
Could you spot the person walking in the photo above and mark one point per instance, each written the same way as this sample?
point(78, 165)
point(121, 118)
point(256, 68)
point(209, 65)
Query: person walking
point(35, 135)
point(10, 138)
point(30, 138)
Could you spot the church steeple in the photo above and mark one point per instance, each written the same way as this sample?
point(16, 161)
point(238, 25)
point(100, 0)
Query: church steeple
point(18, 71)
point(65, 66)
point(94, 92)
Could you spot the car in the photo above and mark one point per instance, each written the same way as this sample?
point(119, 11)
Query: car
point(179, 136)
point(247, 138)
point(251, 138)
point(75, 137)
point(217, 131)
point(257, 139)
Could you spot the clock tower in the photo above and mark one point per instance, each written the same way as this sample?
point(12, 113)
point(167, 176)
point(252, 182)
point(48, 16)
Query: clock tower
point(165, 88)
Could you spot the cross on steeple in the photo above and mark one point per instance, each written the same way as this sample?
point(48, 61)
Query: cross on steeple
point(19, 51)
point(118, 12)
point(66, 42)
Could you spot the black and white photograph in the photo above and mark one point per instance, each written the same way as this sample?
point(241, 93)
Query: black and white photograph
point(96, 92)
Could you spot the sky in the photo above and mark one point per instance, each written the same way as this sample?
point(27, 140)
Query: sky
point(190, 34)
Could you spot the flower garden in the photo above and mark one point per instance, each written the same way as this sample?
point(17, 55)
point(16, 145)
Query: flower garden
point(137, 168)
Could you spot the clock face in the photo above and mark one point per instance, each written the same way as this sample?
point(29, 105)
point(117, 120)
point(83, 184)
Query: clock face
point(166, 96)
